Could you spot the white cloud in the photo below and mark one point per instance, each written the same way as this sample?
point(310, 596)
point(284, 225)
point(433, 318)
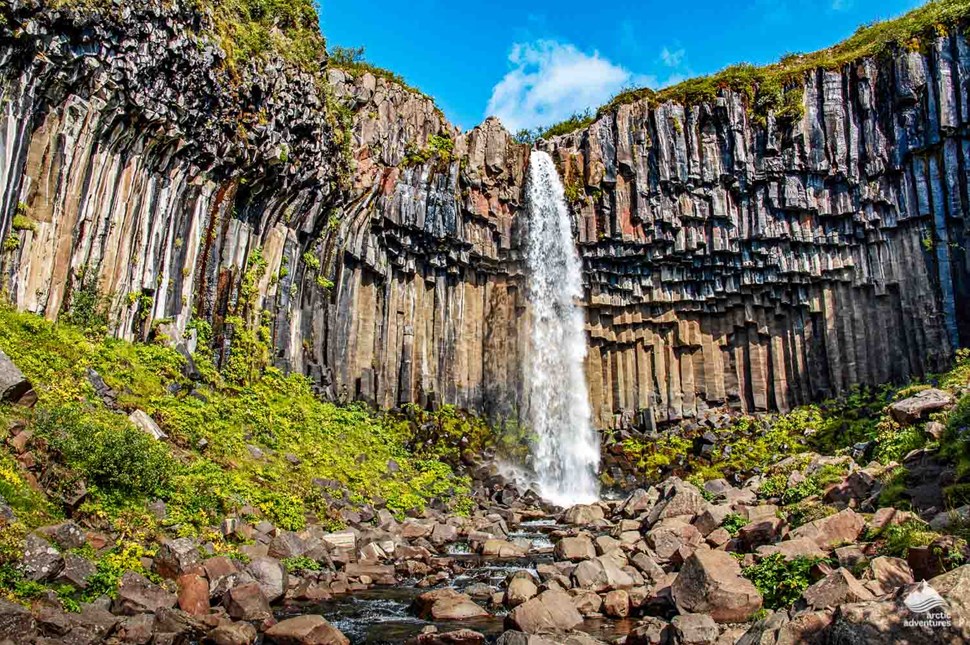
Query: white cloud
point(673, 58)
point(841, 5)
point(549, 81)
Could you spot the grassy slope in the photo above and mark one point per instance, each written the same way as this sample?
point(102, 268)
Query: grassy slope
point(301, 438)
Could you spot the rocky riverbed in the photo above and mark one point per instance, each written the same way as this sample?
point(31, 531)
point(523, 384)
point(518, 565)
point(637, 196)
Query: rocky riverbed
point(665, 564)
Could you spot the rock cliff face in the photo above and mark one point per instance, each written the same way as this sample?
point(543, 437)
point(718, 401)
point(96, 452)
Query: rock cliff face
point(728, 262)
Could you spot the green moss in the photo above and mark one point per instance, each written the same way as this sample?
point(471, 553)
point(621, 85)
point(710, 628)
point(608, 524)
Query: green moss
point(439, 148)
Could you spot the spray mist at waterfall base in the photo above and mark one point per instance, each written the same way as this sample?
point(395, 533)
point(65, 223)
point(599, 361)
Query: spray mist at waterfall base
point(566, 452)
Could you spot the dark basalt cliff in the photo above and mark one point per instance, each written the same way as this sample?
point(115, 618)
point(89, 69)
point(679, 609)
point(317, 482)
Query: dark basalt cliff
point(729, 262)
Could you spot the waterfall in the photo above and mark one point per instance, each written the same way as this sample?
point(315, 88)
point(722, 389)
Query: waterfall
point(566, 453)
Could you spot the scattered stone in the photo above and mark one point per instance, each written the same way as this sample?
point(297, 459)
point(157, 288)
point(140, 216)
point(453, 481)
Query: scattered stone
point(177, 557)
point(447, 604)
point(833, 531)
point(694, 629)
point(146, 424)
point(138, 595)
point(247, 602)
point(270, 575)
point(14, 386)
point(521, 589)
point(583, 514)
point(40, 561)
point(240, 633)
point(838, 587)
point(575, 548)
point(616, 604)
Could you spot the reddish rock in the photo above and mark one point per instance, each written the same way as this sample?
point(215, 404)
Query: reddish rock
point(829, 532)
point(247, 602)
point(549, 611)
point(308, 629)
point(616, 604)
point(193, 595)
point(710, 582)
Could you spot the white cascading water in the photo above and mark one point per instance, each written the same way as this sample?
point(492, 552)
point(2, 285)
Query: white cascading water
point(566, 454)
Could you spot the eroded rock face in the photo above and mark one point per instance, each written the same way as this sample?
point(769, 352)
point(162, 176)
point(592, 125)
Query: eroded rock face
point(727, 261)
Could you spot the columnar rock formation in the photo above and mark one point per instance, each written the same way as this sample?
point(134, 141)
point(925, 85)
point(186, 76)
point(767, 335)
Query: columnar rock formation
point(727, 261)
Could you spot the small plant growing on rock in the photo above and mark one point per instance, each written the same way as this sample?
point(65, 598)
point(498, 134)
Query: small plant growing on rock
point(733, 523)
point(781, 582)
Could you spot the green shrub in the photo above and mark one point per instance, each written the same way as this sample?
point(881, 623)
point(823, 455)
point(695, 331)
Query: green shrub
point(781, 582)
point(897, 539)
point(733, 523)
point(111, 454)
point(301, 563)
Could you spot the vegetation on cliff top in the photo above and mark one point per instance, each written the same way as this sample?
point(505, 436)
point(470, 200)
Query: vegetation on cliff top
point(777, 87)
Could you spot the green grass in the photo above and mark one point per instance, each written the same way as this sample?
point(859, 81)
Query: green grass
point(781, 582)
point(352, 61)
point(777, 87)
point(301, 438)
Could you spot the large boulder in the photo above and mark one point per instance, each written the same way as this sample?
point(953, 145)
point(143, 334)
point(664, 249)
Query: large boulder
point(710, 582)
point(694, 629)
point(447, 604)
point(548, 612)
point(40, 560)
point(14, 386)
point(805, 628)
point(603, 574)
point(679, 499)
point(16, 622)
point(457, 637)
point(912, 409)
point(833, 531)
point(583, 514)
point(575, 548)
point(308, 629)
point(270, 575)
point(520, 590)
point(240, 633)
point(639, 501)
point(247, 602)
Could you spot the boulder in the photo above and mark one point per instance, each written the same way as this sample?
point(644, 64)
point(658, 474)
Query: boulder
point(837, 588)
point(679, 499)
point(586, 602)
point(14, 386)
point(247, 602)
point(549, 611)
point(638, 502)
point(583, 514)
point(805, 628)
point(912, 409)
point(193, 594)
point(649, 631)
point(308, 629)
point(890, 573)
point(602, 573)
point(829, 532)
point(240, 633)
point(66, 535)
point(138, 595)
point(669, 535)
point(287, 544)
point(40, 561)
point(795, 548)
point(16, 623)
point(710, 582)
point(521, 589)
point(457, 637)
point(270, 574)
point(76, 571)
point(575, 548)
point(146, 424)
point(616, 604)
point(178, 557)
point(694, 629)
point(502, 549)
point(447, 604)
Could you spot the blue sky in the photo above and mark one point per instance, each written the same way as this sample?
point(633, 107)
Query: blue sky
point(535, 63)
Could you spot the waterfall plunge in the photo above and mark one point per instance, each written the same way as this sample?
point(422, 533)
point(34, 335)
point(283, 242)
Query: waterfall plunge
point(566, 454)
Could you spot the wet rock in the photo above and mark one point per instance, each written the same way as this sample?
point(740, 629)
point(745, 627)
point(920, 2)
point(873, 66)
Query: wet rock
point(710, 582)
point(138, 595)
point(649, 631)
point(447, 604)
point(502, 549)
point(616, 604)
point(308, 629)
point(549, 611)
point(458, 637)
point(247, 602)
point(583, 514)
point(520, 589)
point(575, 548)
